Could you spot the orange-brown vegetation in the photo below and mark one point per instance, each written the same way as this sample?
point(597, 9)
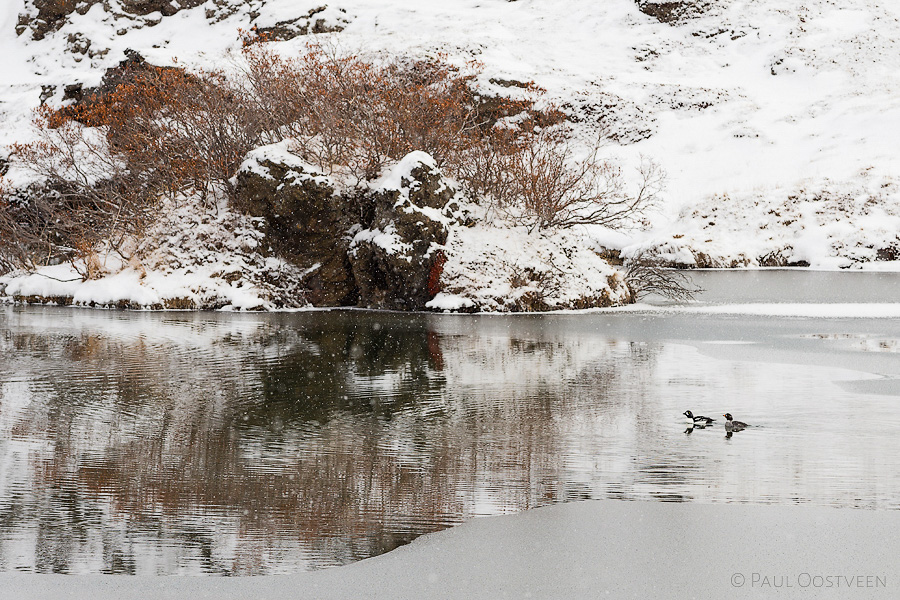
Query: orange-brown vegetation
point(107, 160)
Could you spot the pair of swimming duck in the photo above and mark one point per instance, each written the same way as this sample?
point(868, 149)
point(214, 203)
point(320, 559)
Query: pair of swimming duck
point(730, 423)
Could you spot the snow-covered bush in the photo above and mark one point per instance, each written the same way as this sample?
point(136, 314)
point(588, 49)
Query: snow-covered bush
point(148, 134)
point(101, 166)
point(353, 114)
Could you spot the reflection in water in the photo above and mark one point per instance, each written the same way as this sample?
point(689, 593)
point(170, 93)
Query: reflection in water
point(249, 444)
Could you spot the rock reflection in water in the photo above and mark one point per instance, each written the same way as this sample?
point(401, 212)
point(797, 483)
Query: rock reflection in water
point(203, 443)
point(258, 445)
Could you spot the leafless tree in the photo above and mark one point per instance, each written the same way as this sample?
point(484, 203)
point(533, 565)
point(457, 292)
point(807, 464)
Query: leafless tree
point(646, 276)
point(551, 187)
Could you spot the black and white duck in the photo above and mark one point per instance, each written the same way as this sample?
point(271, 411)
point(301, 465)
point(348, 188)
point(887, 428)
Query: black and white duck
point(699, 420)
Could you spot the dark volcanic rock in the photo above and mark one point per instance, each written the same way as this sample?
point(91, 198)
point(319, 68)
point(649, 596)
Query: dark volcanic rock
point(306, 222)
point(378, 248)
point(50, 15)
point(615, 118)
point(397, 260)
point(132, 69)
point(310, 23)
point(673, 11)
point(166, 7)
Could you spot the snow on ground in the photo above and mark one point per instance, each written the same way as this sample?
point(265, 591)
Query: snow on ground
point(191, 258)
point(824, 225)
point(589, 550)
point(775, 121)
point(500, 267)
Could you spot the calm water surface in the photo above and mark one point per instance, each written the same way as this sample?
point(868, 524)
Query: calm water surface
point(186, 443)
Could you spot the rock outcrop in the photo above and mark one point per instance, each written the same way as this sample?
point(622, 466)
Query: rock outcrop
point(375, 247)
point(133, 68)
point(44, 17)
point(409, 241)
point(47, 16)
point(397, 259)
point(306, 220)
point(317, 20)
point(503, 267)
point(673, 11)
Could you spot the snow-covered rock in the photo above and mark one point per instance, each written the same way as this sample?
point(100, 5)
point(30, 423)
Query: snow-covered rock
point(824, 225)
point(398, 258)
point(410, 241)
point(672, 11)
point(274, 19)
point(493, 266)
point(306, 221)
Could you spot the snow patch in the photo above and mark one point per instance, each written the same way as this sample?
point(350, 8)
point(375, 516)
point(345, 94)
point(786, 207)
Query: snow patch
point(501, 267)
point(388, 240)
point(449, 302)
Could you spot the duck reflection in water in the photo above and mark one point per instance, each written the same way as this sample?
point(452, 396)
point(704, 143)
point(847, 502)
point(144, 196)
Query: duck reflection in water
point(690, 428)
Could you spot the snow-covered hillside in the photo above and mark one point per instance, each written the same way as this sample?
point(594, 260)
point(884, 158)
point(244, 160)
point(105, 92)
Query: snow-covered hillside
point(753, 93)
point(774, 120)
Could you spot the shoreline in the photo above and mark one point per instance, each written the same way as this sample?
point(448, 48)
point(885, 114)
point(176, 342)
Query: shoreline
point(591, 549)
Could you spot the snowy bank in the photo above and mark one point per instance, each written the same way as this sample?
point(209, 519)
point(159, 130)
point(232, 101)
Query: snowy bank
point(281, 232)
point(823, 225)
point(298, 238)
point(776, 121)
point(193, 257)
point(595, 549)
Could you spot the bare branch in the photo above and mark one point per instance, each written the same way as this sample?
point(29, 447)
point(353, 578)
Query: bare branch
point(647, 276)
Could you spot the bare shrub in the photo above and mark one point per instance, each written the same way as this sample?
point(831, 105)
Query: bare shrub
point(12, 251)
point(38, 227)
point(553, 189)
point(350, 112)
point(104, 163)
point(646, 276)
point(178, 130)
point(538, 181)
point(87, 195)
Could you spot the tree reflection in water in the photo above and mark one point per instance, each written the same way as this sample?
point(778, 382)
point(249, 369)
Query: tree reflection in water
point(255, 444)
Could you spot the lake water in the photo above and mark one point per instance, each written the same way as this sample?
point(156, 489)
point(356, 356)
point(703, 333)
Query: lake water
point(238, 444)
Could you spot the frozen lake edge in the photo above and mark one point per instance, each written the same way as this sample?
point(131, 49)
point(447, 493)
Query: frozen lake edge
point(592, 549)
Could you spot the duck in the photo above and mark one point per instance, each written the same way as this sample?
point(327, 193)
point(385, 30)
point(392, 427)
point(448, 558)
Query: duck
point(697, 420)
point(732, 425)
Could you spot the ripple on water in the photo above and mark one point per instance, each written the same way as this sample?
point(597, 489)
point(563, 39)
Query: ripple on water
point(247, 444)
